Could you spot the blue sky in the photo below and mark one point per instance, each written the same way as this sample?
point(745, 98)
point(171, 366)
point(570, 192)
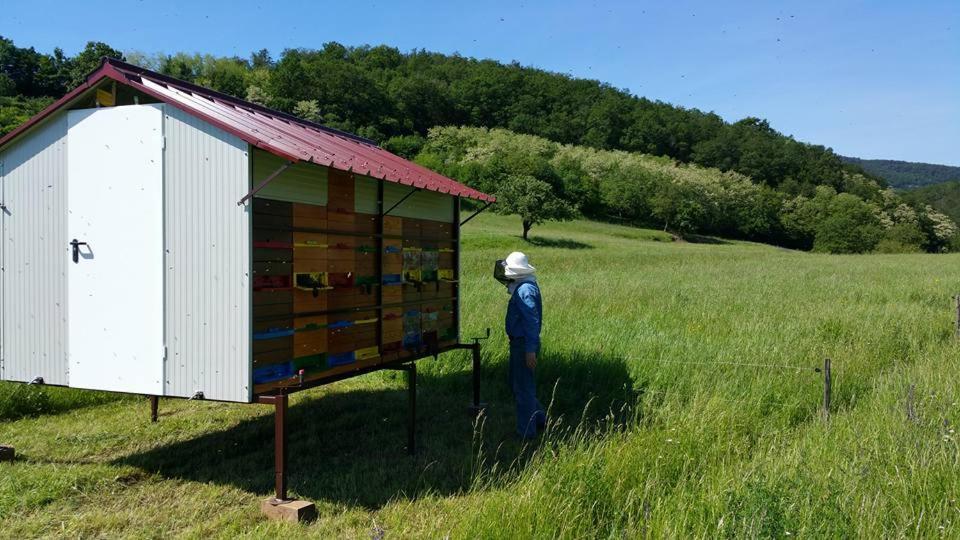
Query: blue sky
point(870, 79)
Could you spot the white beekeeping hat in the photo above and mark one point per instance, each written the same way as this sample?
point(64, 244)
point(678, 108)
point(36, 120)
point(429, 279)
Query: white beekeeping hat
point(516, 265)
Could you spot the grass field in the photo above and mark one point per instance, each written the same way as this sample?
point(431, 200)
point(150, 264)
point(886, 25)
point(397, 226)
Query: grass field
point(655, 430)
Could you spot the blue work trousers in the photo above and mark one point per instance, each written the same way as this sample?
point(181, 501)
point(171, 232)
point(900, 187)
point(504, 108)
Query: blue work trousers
point(530, 413)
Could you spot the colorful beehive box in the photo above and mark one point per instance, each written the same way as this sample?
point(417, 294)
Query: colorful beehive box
point(333, 294)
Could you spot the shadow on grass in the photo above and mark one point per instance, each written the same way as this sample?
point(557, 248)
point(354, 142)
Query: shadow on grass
point(349, 448)
point(562, 243)
point(701, 239)
point(21, 400)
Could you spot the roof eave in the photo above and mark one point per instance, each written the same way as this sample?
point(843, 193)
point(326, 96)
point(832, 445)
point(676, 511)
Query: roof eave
point(133, 77)
point(48, 111)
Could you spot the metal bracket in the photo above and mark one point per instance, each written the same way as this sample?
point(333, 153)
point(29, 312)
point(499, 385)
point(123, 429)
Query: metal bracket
point(473, 215)
point(477, 340)
point(477, 406)
point(263, 184)
point(398, 203)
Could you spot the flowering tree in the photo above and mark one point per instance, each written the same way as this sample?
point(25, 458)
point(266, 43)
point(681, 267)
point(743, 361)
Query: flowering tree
point(533, 200)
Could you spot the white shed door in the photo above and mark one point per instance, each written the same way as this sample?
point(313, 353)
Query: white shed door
point(115, 287)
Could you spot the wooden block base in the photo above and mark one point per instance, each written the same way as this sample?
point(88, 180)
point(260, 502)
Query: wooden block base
point(7, 453)
point(290, 511)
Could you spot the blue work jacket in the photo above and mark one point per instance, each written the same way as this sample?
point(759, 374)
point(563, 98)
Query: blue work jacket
point(525, 315)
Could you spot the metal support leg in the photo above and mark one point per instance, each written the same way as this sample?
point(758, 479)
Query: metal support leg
point(476, 375)
point(412, 420)
point(154, 405)
point(280, 448)
point(477, 407)
point(279, 507)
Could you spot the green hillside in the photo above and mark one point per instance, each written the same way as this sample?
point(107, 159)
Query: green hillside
point(945, 197)
point(859, 215)
point(625, 157)
point(382, 93)
point(682, 392)
point(906, 174)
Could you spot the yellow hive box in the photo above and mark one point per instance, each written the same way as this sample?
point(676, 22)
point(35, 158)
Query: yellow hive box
point(367, 353)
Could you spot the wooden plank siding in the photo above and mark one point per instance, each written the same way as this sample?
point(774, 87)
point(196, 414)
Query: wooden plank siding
point(317, 276)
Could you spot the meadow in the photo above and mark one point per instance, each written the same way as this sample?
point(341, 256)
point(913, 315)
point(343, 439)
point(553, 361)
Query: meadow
point(684, 402)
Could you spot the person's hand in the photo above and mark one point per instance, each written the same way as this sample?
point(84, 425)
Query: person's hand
point(532, 360)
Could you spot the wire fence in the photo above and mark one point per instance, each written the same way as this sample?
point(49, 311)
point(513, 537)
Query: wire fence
point(738, 400)
point(824, 373)
point(738, 364)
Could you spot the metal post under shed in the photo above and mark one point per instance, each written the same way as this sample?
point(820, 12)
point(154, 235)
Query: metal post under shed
point(154, 406)
point(279, 401)
point(280, 442)
point(477, 406)
point(411, 370)
point(412, 418)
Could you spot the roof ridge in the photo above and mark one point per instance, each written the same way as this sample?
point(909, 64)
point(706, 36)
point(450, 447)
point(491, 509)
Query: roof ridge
point(226, 98)
point(281, 134)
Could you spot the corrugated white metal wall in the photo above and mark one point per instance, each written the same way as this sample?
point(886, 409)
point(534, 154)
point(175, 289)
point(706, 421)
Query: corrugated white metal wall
point(207, 262)
point(35, 255)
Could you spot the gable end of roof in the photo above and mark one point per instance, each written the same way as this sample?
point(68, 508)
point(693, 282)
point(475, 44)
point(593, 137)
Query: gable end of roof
point(273, 131)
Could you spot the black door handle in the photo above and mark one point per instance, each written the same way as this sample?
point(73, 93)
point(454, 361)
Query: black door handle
point(76, 249)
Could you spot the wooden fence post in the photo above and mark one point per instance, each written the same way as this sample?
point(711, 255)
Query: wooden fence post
point(957, 299)
point(645, 530)
point(911, 412)
point(827, 388)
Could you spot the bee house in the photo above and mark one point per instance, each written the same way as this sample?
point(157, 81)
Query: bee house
point(164, 239)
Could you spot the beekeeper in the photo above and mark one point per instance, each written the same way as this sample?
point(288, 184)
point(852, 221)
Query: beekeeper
point(523, 323)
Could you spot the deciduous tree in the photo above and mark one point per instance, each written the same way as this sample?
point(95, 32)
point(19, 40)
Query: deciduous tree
point(533, 200)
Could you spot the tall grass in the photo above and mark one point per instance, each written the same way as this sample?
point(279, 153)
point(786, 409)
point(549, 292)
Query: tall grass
point(654, 428)
point(22, 400)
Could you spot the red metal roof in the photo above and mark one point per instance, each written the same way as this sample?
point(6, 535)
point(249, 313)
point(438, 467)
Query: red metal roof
point(278, 133)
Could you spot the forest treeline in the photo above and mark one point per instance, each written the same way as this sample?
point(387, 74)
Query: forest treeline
point(945, 197)
point(906, 174)
point(630, 187)
point(396, 98)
